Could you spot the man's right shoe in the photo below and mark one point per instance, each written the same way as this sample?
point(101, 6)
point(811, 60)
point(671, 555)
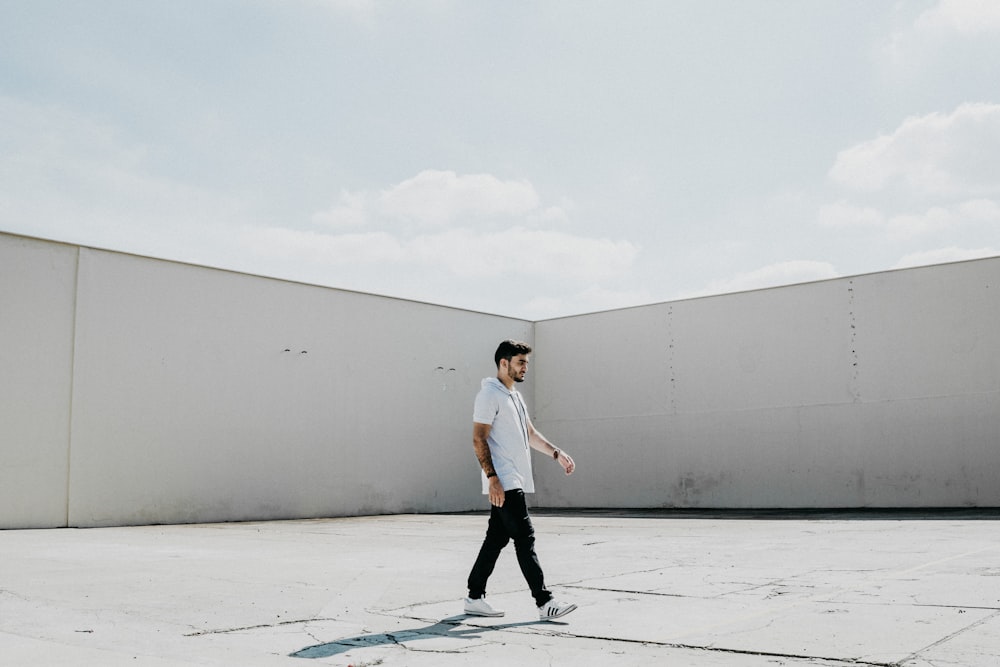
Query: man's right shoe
point(552, 610)
point(480, 607)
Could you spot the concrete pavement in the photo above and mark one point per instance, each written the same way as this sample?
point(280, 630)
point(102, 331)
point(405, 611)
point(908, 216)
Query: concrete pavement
point(914, 589)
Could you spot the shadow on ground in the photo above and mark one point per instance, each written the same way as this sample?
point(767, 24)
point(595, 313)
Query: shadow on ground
point(446, 628)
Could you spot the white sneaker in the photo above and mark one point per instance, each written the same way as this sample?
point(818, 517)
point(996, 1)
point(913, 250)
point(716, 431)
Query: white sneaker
point(552, 610)
point(481, 607)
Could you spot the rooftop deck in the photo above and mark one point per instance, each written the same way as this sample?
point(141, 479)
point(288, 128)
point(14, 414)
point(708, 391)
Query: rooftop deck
point(688, 589)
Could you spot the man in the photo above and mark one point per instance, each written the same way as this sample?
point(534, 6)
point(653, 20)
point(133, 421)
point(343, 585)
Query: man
point(502, 436)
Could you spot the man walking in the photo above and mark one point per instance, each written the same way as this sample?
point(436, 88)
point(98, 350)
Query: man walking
point(502, 436)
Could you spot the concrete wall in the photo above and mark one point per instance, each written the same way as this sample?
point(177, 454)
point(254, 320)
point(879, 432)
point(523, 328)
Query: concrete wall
point(37, 287)
point(141, 391)
point(879, 390)
point(138, 391)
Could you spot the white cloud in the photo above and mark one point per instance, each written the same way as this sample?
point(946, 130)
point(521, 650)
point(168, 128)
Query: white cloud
point(985, 210)
point(964, 17)
point(349, 211)
point(908, 226)
point(774, 275)
point(556, 215)
point(331, 249)
point(70, 177)
point(443, 197)
point(843, 215)
point(592, 299)
point(941, 218)
point(461, 253)
point(519, 251)
point(944, 255)
point(949, 32)
point(945, 155)
point(470, 226)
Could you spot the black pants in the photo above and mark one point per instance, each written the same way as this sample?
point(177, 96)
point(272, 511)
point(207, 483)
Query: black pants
point(510, 522)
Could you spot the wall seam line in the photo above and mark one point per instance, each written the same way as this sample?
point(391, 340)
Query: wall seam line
point(72, 387)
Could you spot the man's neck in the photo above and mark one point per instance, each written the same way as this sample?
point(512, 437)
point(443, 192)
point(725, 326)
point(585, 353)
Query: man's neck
point(507, 382)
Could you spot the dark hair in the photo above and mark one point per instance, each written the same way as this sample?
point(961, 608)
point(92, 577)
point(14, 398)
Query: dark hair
point(510, 348)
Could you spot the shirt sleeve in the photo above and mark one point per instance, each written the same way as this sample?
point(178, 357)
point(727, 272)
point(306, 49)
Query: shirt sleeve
point(486, 407)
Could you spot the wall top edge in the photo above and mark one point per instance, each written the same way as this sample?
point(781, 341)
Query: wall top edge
point(508, 317)
point(703, 297)
point(123, 253)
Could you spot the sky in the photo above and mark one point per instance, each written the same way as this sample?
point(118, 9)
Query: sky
point(528, 159)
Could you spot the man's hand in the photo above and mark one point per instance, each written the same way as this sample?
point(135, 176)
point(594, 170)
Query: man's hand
point(566, 461)
point(496, 492)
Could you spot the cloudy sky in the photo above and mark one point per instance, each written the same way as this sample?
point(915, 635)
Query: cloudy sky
point(532, 159)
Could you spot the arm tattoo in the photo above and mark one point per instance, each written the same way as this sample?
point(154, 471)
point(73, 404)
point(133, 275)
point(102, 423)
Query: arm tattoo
point(483, 454)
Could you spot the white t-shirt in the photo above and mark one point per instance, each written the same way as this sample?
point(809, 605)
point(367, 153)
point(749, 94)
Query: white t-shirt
point(506, 413)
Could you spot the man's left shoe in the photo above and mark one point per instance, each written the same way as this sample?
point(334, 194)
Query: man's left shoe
point(552, 610)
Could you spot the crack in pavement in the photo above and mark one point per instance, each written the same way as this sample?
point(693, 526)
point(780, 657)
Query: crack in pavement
point(442, 629)
point(944, 640)
point(734, 651)
point(402, 643)
point(817, 597)
point(541, 629)
point(222, 631)
point(626, 590)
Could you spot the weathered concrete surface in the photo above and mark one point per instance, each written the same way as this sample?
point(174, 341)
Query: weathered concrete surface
point(698, 589)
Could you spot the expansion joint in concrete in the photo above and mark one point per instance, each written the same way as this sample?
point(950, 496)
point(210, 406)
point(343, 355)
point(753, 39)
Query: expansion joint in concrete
point(945, 640)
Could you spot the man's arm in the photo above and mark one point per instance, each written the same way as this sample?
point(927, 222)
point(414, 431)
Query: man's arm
point(482, 448)
point(541, 443)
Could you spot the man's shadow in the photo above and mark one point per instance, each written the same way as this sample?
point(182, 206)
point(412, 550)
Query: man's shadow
point(450, 627)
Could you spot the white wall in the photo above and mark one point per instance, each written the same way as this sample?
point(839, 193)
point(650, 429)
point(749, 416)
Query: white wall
point(186, 406)
point(137, 391)
point(880, 390)
point(37, 284)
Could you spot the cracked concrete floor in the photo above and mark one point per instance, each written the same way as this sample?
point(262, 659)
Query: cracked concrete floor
point(700, 589)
